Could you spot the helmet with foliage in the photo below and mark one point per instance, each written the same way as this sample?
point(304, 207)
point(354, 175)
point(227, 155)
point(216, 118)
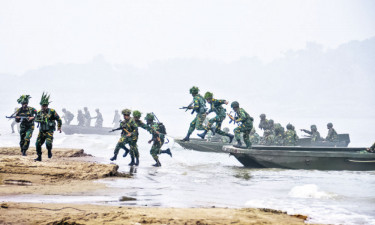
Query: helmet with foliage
point(208, 95)
point(194, 90)
point(24, 99)
point(137, 114)
point(45, 99)
point(149, 116)
point(235, 104)
point(126, 112)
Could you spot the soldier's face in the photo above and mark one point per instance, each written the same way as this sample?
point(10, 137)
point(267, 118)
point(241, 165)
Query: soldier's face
point(136, 119)
point(127, 117)
point(235, 109)
point(44, 107)
point(24, 105)
point(209, 100)
point(149, 121)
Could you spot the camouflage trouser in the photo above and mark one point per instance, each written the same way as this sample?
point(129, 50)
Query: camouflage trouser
point(197, 123)
point(155, 149)
point(132, 143)
point(25, 134)
point(245, 129)
point(44, 136)
point(218, 120)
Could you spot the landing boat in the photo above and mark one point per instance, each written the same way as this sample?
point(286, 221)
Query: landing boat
point(75, 129)
point(308, 158)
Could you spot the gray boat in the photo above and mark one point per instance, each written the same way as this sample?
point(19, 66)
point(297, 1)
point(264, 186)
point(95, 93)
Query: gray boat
point(318, 158)
point(75, 129)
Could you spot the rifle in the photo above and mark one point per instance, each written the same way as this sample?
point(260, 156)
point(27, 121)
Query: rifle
point(189, 107)
point(232, 119)
point(15, 117)
point(120, 128)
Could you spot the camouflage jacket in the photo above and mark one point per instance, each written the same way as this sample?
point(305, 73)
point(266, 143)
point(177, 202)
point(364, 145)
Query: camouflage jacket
point(332, 135)
point(244, 118)
point(268, 140)
point(263, 125)
point(216, 107)
point(315, 135)
point(29, 112)
point(279, 139)
point(154, 129)
point(254, 138)
point(129, 126)
point(199, 104)
point(47, 120)
point(290, 138)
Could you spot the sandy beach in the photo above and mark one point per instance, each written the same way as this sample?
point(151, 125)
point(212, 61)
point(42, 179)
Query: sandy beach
point(72, 171)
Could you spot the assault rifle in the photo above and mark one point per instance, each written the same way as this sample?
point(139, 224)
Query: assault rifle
point(120, 128)
point(232, 119)
point(19, 117)
point(190, 106)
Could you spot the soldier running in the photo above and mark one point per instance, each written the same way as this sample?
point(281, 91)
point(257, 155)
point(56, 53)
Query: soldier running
point(46, 118)
point(246, 125)
point(219, 110)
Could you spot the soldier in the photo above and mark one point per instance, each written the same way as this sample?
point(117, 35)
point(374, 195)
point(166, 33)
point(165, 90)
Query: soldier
point(87, 117)
point(14, 122)
point(99, 119)
point(246, 125)
point(80, 118)
point(46, 118)
point(68, 116)
point(314, 133)
point(116, 119)
point(268, 138)
point(27, 123)
point(217, 108)
point(254, 137)
point(129, 135)
point(199, 106)
point(290, 136)
point(371, 149)
point(332, 135)
point(279, 135)
point(263, 124)
point(158, 132)
point(271, 126)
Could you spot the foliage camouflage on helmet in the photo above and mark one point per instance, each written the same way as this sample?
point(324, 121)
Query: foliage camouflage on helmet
point(24, 99)
point(137, 114)
point(329, 125)
point(126, 112)
point(289, 126)
point(149, 116)
point(235, 104)
point(208, 95)
point(45, 99)
point(194, 90)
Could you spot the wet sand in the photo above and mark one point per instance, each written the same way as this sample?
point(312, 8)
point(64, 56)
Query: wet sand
point(71, 171)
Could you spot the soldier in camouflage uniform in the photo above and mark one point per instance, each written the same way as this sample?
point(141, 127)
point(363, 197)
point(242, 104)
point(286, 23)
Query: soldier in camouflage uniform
point(217, 108)
point(314, 133)
point(279, 135)
point(199, 106)
point(27, 124)
point(332, 134)
point(46, 118)
point(87, 117)
point(116, 119)
point(268, 138)
point(254, 137)
point(290, 136)
point(129, 135)
point(68, 116)
point(271, 126)
point(99, 119)
point(371, 149)
point(263, 124)
point(80, 118)
point(246, 125)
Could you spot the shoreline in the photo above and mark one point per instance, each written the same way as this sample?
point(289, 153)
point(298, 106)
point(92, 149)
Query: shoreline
point(72, 171)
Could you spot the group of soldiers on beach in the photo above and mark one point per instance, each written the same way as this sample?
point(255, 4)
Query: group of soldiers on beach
point(274, 133)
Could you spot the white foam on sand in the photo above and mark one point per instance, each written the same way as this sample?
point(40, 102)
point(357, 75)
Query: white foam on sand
point(309, 191)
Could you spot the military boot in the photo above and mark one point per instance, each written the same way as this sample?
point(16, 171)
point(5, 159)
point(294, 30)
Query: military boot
point(238, 145)
point(167, 151)
point(113, 158)
point(231, 136)
point(39, 158)
point(202, 135)
point(132, 162)
point(136, 161)
point(23, 151)
point(157, 164)
point(49, 153)
point(187, 138)
point(126, 153)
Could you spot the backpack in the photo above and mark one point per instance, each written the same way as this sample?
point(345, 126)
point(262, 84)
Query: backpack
point(161, 128)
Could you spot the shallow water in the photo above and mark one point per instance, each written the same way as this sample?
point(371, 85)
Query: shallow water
point(198, 179)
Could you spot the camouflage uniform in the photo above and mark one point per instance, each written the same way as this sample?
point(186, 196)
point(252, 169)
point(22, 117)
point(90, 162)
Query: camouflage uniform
point(87, 117)
point(26, 127)
point(314, 133)
point(99, 119)
point(290, 136)
point(332, 135)
point(263, 124)
point(279, 135)
point(80, 118)
point(128, 126)
point(254, 137)
point(68, 116)
point(246, 125)
point(47, 125)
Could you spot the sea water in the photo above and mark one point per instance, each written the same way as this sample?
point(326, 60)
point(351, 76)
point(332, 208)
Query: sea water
point(200, 179)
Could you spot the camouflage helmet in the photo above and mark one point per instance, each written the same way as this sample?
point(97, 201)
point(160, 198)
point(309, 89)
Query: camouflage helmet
point(329, 125)
point(289, 126)
point(24, 99)
point(208, 95)
point(45, 99)
point(126, 112)
point(271, 121)
point(235, 104)
point(313, 127)
point(194, 90)
point(149, 116)
point(137, 114)
point(262, 116)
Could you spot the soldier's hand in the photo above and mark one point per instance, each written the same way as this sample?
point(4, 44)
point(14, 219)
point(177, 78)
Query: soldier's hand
point(226, 102)
point(31, 118)
point(128, 135)
point(17, 117)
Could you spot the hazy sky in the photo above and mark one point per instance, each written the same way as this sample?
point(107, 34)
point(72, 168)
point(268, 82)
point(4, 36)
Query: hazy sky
point(43, 32)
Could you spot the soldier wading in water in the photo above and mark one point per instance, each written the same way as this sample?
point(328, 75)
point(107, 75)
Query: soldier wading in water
point(46, 118)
